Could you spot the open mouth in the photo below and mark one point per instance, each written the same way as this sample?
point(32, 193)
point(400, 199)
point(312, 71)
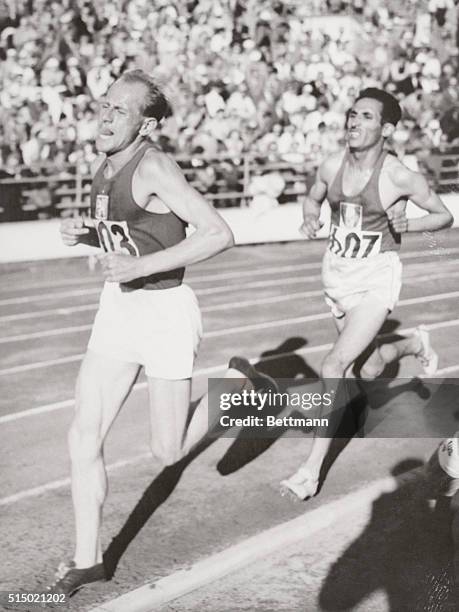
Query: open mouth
point(353, 133)
point(105, 133)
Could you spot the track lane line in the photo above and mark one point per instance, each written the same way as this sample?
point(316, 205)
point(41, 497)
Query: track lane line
point(213, 308)
point(157, 593)
point(65, 482)
point(199, 373)
point(238, 274)
point(410, 277)
point(234, 330)
point(235, 271)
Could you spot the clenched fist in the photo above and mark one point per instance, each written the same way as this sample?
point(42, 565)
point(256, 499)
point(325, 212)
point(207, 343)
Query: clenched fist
point(311, 225)
point(72, 229)
point(121, 268)
point(398, 220)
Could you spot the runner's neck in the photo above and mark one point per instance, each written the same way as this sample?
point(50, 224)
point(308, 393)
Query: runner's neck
point(365, 160)
point(119, 159)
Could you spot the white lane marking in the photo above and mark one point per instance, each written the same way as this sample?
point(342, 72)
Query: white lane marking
point(410, 277)
point(447, 370)
point(65, 482)
point(45, 334)
point(62, 311)
point(234, 330)
point(14, 416)
point(41, 364)
point(428, 298)
point(48, 296)
point(270, 542)
point(266, 325)
point(213, 308)
point(199, 373)
point(414, 280)
point(237, 274)
point(227, 305)
point(234, 268)
point(209, 291)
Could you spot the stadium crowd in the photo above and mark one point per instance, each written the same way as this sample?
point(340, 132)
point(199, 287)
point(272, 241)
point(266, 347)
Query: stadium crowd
point(267, 76)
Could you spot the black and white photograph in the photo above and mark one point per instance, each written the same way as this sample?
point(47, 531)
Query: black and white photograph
point(229, 321)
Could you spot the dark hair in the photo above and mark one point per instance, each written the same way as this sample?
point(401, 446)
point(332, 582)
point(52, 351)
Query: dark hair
point(156, 104)
point(391, 111)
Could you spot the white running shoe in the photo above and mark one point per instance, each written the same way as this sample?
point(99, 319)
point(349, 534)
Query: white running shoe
point(301, 484)
point(427, 356)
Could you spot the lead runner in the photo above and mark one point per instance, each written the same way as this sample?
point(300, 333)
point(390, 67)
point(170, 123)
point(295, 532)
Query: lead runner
point(140, 206)
point(367, 188)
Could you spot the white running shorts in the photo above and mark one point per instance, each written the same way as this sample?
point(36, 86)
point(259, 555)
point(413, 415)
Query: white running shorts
point(349, 282)
point(159, 329)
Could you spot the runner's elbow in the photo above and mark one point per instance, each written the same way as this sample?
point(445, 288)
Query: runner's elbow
point(221, 236)
point(449, 219)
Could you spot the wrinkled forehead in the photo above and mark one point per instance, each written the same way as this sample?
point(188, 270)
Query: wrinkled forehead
point(369, 105)
point(131, 96)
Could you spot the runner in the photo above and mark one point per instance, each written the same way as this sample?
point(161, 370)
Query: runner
point(367, 188)
point(140, 206)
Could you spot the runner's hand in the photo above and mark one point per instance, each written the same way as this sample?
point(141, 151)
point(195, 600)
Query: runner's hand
point(398, 221)
point(311, 225)
point(121, 268)
point(71, 229)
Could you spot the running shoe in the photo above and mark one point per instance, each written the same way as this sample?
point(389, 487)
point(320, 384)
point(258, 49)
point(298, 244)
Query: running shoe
point(301, 484)
point(70, 579)
point(427, 356)
point(260, 381)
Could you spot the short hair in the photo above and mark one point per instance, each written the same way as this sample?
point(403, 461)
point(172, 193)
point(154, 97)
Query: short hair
point(391, 111)
point(156, 104)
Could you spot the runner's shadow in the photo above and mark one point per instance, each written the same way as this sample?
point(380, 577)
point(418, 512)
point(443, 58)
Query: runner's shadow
point(281, 360)
point(405, 550)
point(281, 363)
point(153, 497)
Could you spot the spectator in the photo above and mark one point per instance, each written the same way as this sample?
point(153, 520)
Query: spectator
point(251, 74)
point(265, 189)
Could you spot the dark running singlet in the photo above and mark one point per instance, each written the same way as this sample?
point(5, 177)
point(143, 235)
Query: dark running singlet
point(359, 224)
point(123, 226)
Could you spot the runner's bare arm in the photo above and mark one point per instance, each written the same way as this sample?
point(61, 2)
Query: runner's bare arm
point(311, 205)
point(75, 230)
point(211, 236)
point(415, 187)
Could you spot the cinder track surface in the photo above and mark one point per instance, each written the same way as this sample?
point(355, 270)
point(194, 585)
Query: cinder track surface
point(255, 300)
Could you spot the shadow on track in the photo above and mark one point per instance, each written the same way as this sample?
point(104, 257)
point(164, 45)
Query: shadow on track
point(281, 362)
point(406, 551)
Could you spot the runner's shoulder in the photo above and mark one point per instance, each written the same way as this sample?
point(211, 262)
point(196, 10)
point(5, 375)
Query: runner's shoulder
point(156, 161)
point(398, 173)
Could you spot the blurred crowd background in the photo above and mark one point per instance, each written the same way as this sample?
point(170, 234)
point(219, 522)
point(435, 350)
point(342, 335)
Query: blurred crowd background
point(270, 77)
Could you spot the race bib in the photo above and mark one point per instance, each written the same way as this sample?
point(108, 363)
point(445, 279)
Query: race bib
point(354, 244)
point(348, 239)
point(114, 237)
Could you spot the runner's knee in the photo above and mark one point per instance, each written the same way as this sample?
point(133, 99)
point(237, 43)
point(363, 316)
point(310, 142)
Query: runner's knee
point(371, 371)
point(388, 353)
point(84, 444)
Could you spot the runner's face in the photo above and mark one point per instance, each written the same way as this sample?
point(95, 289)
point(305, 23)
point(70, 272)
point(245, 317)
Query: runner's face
point(120, 117)
point(364, 125)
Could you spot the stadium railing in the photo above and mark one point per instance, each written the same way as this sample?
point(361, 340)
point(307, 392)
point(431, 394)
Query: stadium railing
point(48, 194)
